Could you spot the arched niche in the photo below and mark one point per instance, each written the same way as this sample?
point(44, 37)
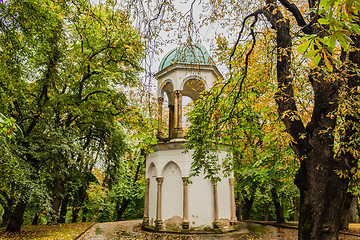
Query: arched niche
point(166, 109)
point(172, 191)
point(168, 89)
point(152, 174)
point(192, 87)
point(151, 171)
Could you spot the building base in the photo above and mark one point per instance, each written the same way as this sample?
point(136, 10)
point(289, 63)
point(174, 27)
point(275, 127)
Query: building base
point(158, 224)
point(145, 221)
point(185, 224)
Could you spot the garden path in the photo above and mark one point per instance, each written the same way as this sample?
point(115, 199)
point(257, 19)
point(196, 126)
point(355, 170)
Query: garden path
point(131, 230)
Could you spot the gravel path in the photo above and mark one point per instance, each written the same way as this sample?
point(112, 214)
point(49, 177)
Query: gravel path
point(131, 230)
point(112, 230)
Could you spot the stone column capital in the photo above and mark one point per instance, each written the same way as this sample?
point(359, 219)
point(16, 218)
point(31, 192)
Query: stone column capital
point(185, 180)
point(178, 92)
point(214, 182)
point(159, 180)
point(160, 100)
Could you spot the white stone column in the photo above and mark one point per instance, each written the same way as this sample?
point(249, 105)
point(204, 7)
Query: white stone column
point(160, 129)
point(216, 222)
point(158, 221)
point(178, 114)
point(146, 203)
point(185, 223)
point(233, 220)
point(171, 121)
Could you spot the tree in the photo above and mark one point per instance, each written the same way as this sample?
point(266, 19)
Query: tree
point(326, 143)
point(60, 78)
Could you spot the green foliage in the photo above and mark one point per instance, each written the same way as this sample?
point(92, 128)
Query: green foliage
point(244, 123)
point(65, 68)
point(338, 20)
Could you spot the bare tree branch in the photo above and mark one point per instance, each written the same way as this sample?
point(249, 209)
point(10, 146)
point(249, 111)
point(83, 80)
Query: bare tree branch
point(306, 28)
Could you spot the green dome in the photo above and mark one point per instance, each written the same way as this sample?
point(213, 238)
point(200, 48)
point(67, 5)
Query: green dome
point(189, 54)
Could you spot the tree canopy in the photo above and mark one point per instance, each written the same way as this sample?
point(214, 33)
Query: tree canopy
point(66, 68)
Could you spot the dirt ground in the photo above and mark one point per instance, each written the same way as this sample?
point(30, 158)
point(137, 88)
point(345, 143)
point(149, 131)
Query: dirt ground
point(132, 230)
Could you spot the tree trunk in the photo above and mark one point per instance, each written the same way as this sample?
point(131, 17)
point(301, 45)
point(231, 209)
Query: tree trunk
point(266, 212)
point(279, 209)
point(346, 213)
point(35, 220)
point(55, 204)
point(354, 84)
point(322, 191)
point(296, 209)
point(7, 211)
point(84, 212)
point(353, 214)
point(349, 214)
point(238, 206)
point(358, 209)
point(78, 203)
point(248, 206)
point(5, 217)
point(63, 210)
point(75, 214)
point(17, 217)
point(321, 203)
point(120, 211)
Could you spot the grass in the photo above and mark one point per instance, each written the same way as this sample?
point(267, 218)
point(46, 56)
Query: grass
point(61, 231)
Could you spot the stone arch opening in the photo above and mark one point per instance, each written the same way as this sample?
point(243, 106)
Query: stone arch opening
point(172, 191)
point(151, 171)
point(168, 89)
point(166, 103)
point(192, 87)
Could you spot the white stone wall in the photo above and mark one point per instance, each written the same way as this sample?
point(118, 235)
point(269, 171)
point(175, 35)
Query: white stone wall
point(172, 164)
point(224, 199)
point(172, 189)
point(201, 202)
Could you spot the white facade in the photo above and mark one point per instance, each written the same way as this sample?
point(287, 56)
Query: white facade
point(170, 163)
point(170, 201)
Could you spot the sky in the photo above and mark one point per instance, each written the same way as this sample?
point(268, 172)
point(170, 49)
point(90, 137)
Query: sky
point(206, 35)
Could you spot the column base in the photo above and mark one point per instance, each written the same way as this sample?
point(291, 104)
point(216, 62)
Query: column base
point(233, 222)
point(216, 224)
point(178, 133)
point(145, 221)
point(160, 136)
point(185, 224)
point(158, 224)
